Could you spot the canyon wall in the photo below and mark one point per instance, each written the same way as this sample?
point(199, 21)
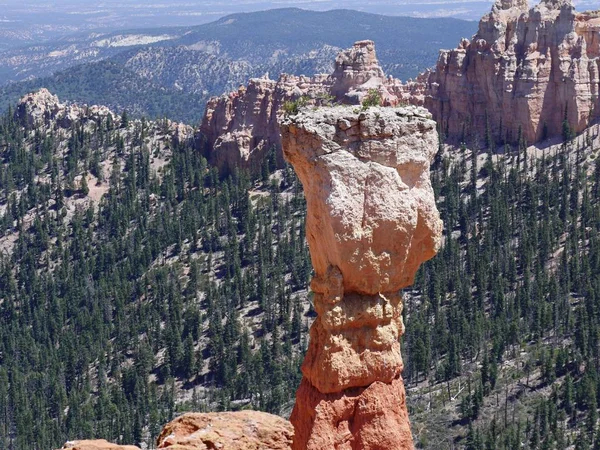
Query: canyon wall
point(525, 68)
point(371, 222)
point(521, 74)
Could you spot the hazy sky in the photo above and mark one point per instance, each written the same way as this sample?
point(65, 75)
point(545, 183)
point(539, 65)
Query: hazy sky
point(75, 15)
point(183, 12)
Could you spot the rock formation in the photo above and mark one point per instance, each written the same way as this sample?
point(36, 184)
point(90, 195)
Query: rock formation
point(371, 222)
point(244, 430)
point(42, 109)
point(96, 445)
point(238, 129)
point(525, 68)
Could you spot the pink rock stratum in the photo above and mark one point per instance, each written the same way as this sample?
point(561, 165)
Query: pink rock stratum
point(525, 68)
point(371, 222)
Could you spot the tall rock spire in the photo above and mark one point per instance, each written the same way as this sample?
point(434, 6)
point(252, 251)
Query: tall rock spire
point(356, 69)
point(371, 222)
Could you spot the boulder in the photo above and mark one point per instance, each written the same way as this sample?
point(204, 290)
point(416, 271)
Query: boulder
point(243, 430)
point(96, 445)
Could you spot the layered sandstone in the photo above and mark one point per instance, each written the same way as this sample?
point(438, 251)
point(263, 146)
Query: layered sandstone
point(244, 430)
point(525, 68)
point(238, 129)
point(371, 222)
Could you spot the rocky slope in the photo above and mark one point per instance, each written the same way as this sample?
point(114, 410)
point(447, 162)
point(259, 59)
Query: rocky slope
point(375, 163)
point(526, 69)
point(82, 169)
point(371, 222)
point(486, 360)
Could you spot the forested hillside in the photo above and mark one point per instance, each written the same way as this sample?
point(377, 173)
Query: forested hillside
point(110, 83)
point(136, 284)
point(503, 326)
point(175, 286)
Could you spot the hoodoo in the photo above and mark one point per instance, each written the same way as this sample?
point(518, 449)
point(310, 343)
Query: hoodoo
point(371, 222)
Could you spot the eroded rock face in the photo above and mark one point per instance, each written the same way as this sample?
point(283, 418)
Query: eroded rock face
point(42, 109)
point(35, 109)
point(238, 129)
point(355, 70)
point(244, 430)
point(96, 445)
point(373, 418)
point(525, 68)
point(371, 222)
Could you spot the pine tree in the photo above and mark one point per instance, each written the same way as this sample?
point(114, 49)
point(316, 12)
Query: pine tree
point(84, 189)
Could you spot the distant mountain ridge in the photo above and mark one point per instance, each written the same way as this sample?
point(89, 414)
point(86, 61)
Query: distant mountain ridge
point(259, 37)
point(213, 58)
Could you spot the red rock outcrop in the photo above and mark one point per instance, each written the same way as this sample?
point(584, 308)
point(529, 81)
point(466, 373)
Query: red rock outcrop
point(238, 129)
point(525, 68)
point(244, 430)
point(96, 445)
point(371, 222)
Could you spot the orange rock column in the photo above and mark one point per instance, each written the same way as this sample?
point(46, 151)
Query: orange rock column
point(371, 222)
